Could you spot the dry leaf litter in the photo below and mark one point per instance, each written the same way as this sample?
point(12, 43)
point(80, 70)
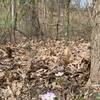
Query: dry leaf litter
point(30, 70)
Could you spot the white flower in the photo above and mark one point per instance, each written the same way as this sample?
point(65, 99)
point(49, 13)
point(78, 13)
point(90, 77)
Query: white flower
point(59, 74)
point(48, 96)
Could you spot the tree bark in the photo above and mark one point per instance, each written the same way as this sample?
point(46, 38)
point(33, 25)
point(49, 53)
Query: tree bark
point(95, 43)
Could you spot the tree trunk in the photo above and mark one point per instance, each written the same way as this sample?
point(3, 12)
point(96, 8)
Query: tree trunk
point(14, 19)
point(67, 7)
point(95, 43)
point(58, 20)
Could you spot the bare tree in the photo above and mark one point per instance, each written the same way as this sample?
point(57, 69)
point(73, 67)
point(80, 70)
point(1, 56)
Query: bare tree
point(14, 18)
point(58, 20)
point(68, 14)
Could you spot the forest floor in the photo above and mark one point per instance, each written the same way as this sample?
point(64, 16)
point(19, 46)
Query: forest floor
point(37, 70)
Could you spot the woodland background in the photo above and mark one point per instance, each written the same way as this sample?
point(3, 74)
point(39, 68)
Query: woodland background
point(54, 19)
point(49, 50)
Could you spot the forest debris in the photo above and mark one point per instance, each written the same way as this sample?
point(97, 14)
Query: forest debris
point(2, 74)
point(53, 66)
point(67, 55)
point(9, 52)
point(2, 53)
